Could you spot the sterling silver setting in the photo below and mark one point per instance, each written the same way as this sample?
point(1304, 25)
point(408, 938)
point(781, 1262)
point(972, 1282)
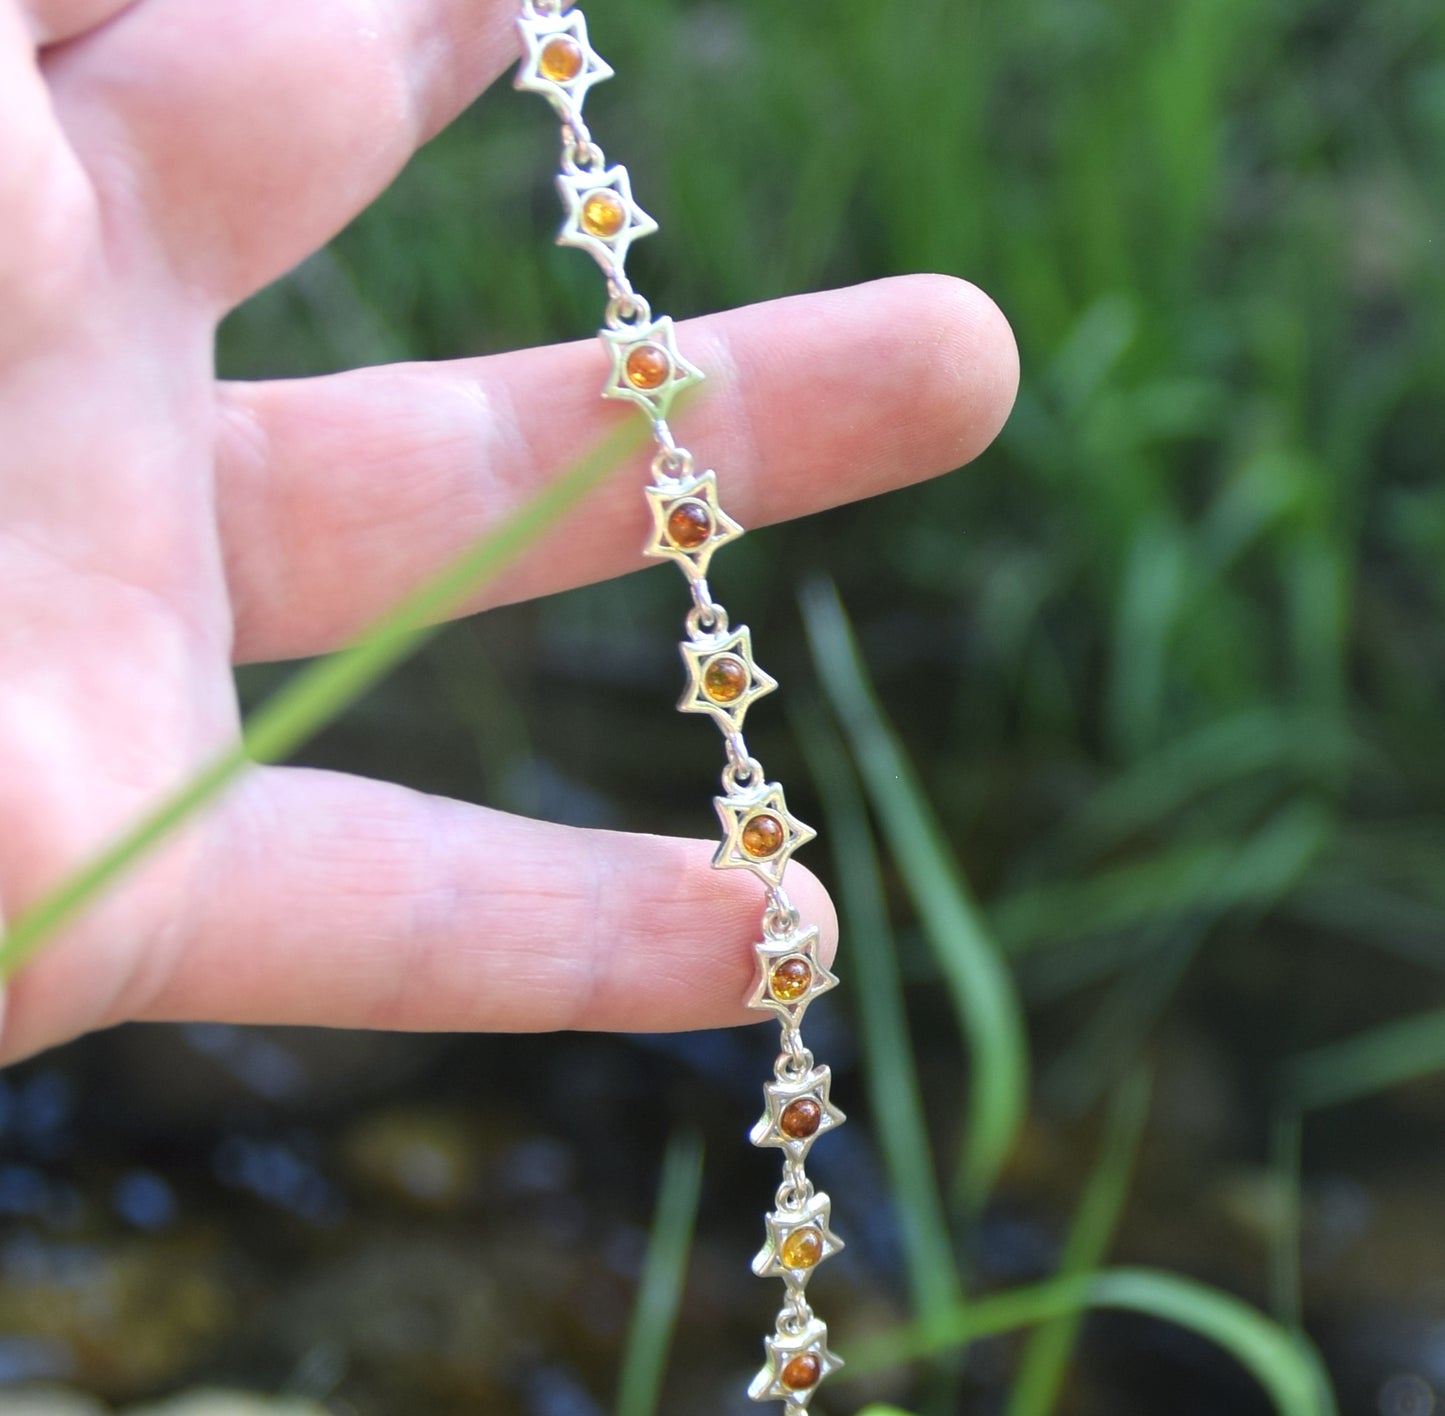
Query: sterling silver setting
point(688, 526)
point(538, 26)
point(772, 952)
point(664, 499)
point(811, 1339)
point(741, 809)
point(610, 252)
point(782, 1225)
point(813, 1086)
point(659, 335)
point(735, 651)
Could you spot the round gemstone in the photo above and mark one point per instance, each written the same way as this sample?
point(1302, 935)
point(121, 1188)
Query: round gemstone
point(648, 367)
point(802, 1372)
point(725, 679)
point(689, 525)
point(763, 836)
point(561, 59)
point(790, 980)
point(802, 1248)
point(801, 1119)
point(604, 213)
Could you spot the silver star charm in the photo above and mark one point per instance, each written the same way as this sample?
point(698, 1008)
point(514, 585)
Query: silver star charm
point(811, 1222)
point(773, 1130)
point(725, 662)
point(700, 518)
point(646, 368)
point(789, 994)
point(784, 1350)
point(754, 820)
point(610, 196)
point(557, 61)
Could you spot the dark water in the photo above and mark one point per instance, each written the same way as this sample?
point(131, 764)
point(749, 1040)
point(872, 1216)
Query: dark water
point(397, 1225)
point(389, 1226)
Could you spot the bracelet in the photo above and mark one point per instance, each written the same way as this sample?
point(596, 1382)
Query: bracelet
point(759, 833)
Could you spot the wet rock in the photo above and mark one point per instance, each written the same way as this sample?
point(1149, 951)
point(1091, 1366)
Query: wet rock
point(49, 1401)
point(126, 1317)
point(420, 1318)
point(178, 1077)
point(228, 1403)
point(431, 1159)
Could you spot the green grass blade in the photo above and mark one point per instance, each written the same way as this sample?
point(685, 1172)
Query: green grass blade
point(1285, 1287)
point(36, 926)
point(1369, 1062)
point(654, 1315)
point(983, 991)
point(321, 692)
point(1046, 1358)
point(1212, 877)
point(1145, 797)
point(1262, 871)
point(1153, 587)
point(1120, 1025)
point(894, 1094)
point(1344, 900)
point(1107, 901)
point(1285, 1365)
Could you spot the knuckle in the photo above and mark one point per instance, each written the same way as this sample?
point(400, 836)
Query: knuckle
point(47, 247)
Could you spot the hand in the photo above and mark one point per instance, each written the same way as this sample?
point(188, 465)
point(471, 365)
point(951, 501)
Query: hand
point(162, 160)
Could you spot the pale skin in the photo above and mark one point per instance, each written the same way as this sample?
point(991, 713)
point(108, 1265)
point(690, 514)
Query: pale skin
point(161, 161)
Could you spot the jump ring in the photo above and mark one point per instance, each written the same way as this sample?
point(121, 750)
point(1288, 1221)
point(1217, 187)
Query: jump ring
point(628, 311)
point(673, 463)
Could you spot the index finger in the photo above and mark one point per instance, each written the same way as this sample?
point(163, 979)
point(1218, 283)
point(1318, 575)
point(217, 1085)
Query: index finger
point(338, 495)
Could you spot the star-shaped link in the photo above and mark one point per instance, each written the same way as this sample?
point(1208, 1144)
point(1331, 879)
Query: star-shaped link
point(646, 368)
point(688, 525)
point(557, 60)
point(797, 1113)
point(798, 1241)
point(791, 1358)
point(722, 678)
point(762, 833)
point(602, 217)
point(790, 976)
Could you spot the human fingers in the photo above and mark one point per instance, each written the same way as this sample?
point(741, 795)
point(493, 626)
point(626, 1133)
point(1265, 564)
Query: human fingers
point(243, 135)
point(339, 494)
point(53, 21)
point(45, 232)
point(339, 901)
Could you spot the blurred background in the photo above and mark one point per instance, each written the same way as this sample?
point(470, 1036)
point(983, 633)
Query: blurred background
point(1132, 763)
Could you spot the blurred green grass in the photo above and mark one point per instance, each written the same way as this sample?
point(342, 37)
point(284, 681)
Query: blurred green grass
point(1199, 582)
point(1169, 662)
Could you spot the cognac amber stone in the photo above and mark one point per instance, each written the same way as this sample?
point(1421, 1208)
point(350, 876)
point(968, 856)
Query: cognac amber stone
point(648, 367)
point(561, 59)
point(763, 836)
point(801, 1119)
point(689, 525)
point(790, 980)
point(725, 679)
point(802, 1372)
point(803, 1248)
point(604, 213)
